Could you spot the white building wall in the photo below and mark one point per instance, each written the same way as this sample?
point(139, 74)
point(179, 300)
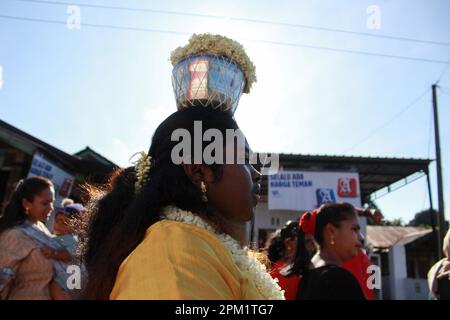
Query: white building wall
point(271, 219)
point(400, 286)
point(397, 272)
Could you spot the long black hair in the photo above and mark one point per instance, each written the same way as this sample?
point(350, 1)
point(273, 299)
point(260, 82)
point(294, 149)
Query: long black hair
point(14, 213)
point(332, 213)
point(276, 248)
point(117, 214)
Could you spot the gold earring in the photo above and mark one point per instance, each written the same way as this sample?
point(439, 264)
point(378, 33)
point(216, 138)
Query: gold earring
point(332, 241)
point(203, 190)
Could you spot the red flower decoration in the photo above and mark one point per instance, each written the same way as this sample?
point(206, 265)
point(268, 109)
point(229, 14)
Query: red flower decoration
point(308, 222)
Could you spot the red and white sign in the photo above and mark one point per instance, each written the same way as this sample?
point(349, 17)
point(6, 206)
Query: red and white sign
point(347, 188)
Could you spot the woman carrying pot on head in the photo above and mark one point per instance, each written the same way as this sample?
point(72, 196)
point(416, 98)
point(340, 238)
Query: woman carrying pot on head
point(173, 226)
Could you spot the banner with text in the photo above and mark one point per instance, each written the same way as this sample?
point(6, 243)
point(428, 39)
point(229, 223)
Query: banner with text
point(308, 190)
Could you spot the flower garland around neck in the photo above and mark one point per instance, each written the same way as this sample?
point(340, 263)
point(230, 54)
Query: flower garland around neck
point(248, 264)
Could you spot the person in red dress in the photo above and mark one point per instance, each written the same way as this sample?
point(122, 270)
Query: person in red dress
point(358, 267)
point(335, 229)
point(281, 251)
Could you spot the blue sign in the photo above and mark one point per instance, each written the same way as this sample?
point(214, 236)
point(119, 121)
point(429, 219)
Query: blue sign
point(325, 196)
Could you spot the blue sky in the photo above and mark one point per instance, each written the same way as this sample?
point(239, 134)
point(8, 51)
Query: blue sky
point(110, 88)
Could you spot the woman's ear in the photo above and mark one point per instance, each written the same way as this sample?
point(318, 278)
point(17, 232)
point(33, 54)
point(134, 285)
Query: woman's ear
point(330, 232)
point(198, 173)
point(26, 203)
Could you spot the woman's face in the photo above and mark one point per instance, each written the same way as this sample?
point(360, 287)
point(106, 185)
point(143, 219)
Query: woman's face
point(42, 205)
point(237, 191)
point(310, 245)
point(347, 239)
point(291, 249)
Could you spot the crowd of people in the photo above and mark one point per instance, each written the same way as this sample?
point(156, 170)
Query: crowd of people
point(329, 261)
point(164, 229)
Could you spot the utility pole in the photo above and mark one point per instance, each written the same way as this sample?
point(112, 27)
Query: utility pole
point(441, 219)
point(433, 220)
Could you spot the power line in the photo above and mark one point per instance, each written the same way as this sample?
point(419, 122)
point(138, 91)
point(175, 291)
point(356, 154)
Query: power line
point(366, 34)
point(96, 6)
point(349, 51)
point(287, 44)
point(444, 89)
point(258, 21)
point(406, 108)
point(105, 26)
point(442, 73)
point(392, 188)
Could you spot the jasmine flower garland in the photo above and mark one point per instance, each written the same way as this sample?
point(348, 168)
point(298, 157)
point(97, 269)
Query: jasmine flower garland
point(142, 166)
point(248, 264)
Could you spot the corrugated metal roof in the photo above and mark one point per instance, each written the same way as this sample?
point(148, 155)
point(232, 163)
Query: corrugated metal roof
point(346, 157)
point(386, 237)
